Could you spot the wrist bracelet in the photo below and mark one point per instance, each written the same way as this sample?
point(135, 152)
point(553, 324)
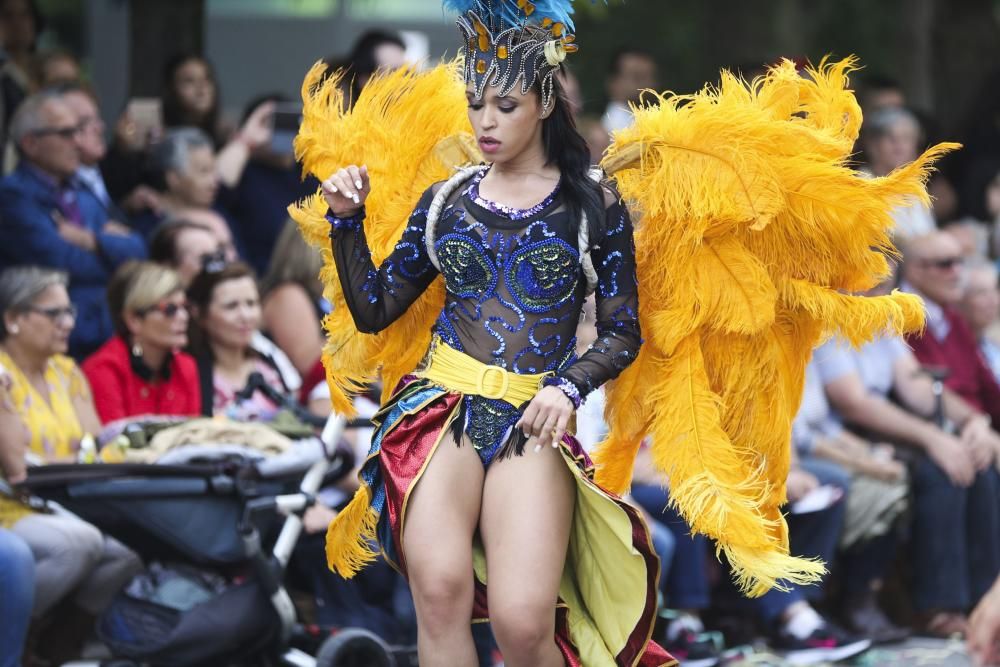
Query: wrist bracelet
point(351, 222)
point(567, 387)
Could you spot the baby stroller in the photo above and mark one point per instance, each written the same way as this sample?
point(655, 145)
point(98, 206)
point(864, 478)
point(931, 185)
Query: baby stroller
point(221, 600)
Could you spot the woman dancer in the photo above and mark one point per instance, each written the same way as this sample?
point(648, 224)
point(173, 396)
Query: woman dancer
point(474, 446)
point(730, 313)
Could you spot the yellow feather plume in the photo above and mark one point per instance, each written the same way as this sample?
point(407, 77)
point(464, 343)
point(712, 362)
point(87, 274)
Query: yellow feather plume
point(411, 129)
point(733, 288)
point(350, 537)
point(754, 233)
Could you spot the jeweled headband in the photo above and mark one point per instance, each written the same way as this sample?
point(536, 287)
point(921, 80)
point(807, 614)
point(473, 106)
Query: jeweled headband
point(506, 41)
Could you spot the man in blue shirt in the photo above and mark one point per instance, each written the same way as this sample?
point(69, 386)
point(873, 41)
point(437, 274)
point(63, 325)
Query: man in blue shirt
point(48, 219)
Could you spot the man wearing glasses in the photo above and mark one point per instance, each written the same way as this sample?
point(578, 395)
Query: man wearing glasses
point(934, 269)
point(48, 219)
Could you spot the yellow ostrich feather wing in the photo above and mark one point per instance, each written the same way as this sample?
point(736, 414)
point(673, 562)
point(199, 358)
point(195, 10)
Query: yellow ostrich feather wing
point(753, 232)
point(411, 129)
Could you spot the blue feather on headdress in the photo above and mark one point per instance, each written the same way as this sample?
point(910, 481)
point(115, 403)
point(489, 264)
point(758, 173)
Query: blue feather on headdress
point(506, 13)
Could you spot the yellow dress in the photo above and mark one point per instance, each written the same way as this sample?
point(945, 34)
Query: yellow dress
point(54, 427)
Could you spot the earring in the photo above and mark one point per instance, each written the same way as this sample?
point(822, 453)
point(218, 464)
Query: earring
point(136, 349)
point(14, 329)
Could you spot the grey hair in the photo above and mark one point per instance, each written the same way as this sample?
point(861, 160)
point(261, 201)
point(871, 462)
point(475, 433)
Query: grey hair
point(21, 285)
point(879, 122)
point(172, 154)
point(28, 117)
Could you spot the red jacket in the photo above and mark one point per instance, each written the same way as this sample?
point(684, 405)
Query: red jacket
point(123, 387)
point(970, 376)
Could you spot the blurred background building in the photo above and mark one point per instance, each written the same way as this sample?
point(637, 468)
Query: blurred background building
point(941, 51)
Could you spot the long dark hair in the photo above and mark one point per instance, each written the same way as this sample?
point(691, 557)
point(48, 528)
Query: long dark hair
point(174, 113)
point(199, 295)
point(361, 62)
point(566, 148)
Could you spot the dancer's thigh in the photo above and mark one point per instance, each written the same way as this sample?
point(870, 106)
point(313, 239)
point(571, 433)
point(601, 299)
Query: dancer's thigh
point(525, 525)
point(440, 522)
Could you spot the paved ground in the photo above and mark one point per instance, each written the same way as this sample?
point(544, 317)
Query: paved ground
point(914, 653)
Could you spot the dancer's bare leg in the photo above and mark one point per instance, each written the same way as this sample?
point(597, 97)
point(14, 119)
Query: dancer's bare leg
point(525, 525)
point(440, 522)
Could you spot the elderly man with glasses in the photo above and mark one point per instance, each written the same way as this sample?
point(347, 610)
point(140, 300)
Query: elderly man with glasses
point(48, 218)
point(934, 268)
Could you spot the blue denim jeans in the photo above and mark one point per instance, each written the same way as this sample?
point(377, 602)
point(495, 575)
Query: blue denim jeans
point(685, 583)
point(17, 595)
point(956, 538)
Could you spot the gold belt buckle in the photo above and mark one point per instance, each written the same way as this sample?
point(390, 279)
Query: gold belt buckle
point(504, 382)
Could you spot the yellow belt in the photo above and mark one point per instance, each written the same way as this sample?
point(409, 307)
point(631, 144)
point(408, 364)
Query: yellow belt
point(458, 372)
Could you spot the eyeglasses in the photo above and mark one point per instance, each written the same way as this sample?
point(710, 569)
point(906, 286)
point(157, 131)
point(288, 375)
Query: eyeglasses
point(55, 314)
point(64, 132)
point(945, 263)
point(169, 310)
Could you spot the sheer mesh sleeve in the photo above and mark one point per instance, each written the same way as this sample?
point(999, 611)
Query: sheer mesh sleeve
point(377, 297)
point(617, 298)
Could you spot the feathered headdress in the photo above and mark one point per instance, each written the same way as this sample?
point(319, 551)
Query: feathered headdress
point(506, 41)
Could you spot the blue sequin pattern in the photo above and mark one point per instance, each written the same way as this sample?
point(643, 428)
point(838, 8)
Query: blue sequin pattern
point(514, 293)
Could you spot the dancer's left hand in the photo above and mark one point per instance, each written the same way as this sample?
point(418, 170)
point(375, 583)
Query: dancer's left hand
point(546, 417)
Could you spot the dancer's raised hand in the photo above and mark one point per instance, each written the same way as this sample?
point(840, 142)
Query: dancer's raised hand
point(346, 190)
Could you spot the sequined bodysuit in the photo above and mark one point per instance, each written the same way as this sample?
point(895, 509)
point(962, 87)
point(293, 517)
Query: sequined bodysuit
point(514, 292)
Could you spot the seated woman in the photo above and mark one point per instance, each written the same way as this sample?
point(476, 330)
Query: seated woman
point(47, 387)
point(142, 370)
point(229, 348)
point(293, 305)
point(45, 409)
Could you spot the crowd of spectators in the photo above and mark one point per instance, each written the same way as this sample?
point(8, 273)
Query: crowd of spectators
point(130, 287)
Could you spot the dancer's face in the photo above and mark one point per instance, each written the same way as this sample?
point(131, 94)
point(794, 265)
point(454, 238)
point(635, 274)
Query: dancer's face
point(506, 126)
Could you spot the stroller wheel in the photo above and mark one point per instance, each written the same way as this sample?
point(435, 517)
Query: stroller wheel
point(354, 648)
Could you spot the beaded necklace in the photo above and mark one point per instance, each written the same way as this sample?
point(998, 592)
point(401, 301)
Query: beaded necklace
point(509, 212)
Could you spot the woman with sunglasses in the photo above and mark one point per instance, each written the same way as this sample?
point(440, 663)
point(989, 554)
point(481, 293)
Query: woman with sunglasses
point(142, 370)
point(46, 410)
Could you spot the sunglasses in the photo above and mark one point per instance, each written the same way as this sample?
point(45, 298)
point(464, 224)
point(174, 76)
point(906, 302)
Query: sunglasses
point(945, 264)
point(64, 132)
point(168, 310)
point(56, 314)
